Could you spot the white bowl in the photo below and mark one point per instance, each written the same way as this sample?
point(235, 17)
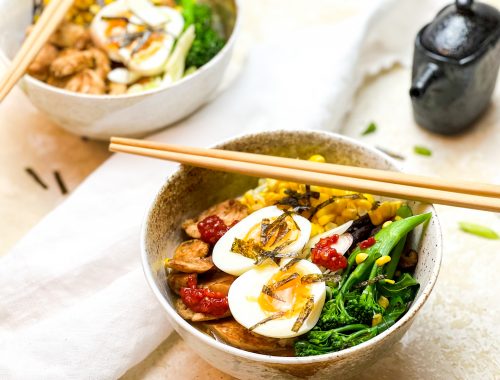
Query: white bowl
point(191, 190)
point(134, 115)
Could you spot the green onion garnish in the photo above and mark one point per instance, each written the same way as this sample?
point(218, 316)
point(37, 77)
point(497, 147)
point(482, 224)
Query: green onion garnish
point(478, 230)
point(422, 150)
point(372, 127)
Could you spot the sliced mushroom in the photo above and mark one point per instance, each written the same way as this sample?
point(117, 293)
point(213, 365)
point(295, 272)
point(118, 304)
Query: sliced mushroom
point(190, 257)
point(408, 259)
point(234, 334)
point(176, 281)
point(218, 282)
point(192, 316)
point(229, 211)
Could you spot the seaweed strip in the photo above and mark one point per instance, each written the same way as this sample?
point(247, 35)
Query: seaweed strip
point(265, 320)
point(270, 292)
point(331, 200)
point(304, 313)
point(284, 281)
point(290, 264)
point(316, 277)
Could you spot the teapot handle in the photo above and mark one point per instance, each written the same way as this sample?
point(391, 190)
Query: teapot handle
point(424, 78)
point(464, 6)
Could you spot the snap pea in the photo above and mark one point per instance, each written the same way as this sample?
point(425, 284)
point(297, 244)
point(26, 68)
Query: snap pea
point(386, 239)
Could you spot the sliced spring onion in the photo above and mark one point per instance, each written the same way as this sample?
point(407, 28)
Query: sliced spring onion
point(176, 62)
point(478, 230)
point(422, 150)
point(372, 127)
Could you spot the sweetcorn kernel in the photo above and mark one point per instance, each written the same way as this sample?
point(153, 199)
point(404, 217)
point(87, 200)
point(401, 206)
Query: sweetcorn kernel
point(317, 158)
point(397, 217)
point(360, 257)
point(316, 229)
point(322, 221)
point(383, 302)
point(386, 223)
point(377, 318)
point(382, 260)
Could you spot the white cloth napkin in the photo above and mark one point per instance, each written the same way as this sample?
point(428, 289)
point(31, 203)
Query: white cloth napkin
point(73, 300)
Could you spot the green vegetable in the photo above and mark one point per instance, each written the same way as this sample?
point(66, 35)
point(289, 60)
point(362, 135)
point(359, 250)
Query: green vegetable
point(478, 230)
point(364, 307)
point(372, 127)
point(346, 316)
point(207, 42)
point(422, 150)
point(319, 342)
point(176, 62)
point(403, 212)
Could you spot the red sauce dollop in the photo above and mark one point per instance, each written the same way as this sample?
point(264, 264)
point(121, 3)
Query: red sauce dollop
point(323, 254)
point(212, 228)
point(202, 300)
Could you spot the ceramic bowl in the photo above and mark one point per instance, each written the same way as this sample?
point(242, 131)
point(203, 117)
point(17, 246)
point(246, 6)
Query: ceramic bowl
point(102, 116)
point(191, 190)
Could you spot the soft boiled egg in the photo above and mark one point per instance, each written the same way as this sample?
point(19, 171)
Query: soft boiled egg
point(137, 34)
point(268, 229)
point(278, 302)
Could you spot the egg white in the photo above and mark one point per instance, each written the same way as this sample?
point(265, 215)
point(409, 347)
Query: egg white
point(244, 293)
point(151, 60)
point(236, 264)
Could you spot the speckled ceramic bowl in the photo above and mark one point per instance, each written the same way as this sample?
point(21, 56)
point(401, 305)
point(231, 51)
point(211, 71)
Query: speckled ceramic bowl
point(103, 116)
point(191, 190)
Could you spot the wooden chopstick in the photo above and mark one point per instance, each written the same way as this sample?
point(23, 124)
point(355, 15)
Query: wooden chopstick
point(320, 179)
point(48, 22)
point(465, 187)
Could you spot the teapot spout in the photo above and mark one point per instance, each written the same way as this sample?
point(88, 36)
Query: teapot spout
point(425, 76)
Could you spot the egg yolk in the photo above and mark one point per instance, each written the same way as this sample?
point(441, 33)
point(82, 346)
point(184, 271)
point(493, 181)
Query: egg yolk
point(277, 237)
point(289, 294)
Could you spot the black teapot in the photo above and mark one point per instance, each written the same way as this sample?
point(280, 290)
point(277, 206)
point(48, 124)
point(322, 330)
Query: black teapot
point(455, 66)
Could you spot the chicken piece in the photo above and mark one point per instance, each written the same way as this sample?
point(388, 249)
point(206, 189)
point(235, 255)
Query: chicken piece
point(39, 68)
point(176, 281)
point(234, 334)
point(191, 257)
point(70, 62)
point(229, 211)
point(117, 88)
point(190, 315)
point(218, 282)
point(86, 82)
point(102, 64)
point(58, 82)
point(70, 35)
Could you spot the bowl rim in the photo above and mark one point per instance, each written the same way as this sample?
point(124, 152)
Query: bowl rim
point(339, 355)
point(200, 71)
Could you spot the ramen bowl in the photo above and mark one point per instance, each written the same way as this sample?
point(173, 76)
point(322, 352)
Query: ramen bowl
point(192, 190)
point(134, 115)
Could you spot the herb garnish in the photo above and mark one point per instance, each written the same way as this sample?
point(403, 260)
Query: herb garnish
point(478, 230)
point(371, 128)
point(422, 150)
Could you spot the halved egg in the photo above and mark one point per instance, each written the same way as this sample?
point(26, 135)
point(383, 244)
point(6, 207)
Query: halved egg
point(270, 230)
point(137, 34)
point(278, 302)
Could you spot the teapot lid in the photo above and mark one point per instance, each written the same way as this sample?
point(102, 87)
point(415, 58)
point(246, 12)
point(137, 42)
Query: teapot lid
point(461, 29)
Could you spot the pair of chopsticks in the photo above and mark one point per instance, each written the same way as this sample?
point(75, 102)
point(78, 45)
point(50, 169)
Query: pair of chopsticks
point(385, 183)
point(48, 22)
